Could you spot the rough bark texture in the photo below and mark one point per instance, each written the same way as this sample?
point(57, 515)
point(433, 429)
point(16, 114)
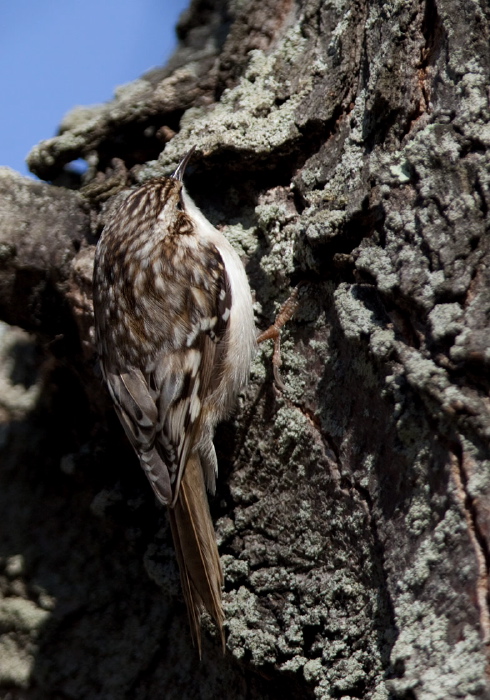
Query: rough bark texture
point(344, 144)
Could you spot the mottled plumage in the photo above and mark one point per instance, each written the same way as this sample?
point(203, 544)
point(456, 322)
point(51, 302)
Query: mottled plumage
point(176, 337)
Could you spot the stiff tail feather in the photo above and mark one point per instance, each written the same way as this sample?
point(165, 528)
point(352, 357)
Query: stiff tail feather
point(197, 552)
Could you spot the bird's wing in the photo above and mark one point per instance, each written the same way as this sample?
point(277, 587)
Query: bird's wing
point(162, 410)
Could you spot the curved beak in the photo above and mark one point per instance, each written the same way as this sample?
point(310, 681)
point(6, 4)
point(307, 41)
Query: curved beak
point(179, 173)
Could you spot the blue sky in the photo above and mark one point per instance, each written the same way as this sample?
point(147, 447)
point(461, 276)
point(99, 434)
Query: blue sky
point(56, 54)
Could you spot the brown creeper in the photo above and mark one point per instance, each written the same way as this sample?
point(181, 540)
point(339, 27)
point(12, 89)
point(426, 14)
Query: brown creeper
point(176, 336)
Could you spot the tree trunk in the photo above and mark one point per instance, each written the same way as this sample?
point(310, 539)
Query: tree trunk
point(345, 146)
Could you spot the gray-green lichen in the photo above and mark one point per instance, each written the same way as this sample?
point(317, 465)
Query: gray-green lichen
point(15, 397)
point(20, 622)
point(246, 116)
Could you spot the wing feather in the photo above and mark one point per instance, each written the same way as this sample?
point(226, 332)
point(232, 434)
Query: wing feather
point(162, 406)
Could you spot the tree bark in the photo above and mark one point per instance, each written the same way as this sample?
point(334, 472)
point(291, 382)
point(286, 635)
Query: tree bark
point(344, 145)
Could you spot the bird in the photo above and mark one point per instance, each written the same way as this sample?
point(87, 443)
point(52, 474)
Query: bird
point(175, 336)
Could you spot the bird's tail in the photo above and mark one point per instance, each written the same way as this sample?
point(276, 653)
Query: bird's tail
point(197, 552)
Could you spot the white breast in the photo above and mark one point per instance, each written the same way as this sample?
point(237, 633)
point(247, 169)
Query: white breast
point(242, 333)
